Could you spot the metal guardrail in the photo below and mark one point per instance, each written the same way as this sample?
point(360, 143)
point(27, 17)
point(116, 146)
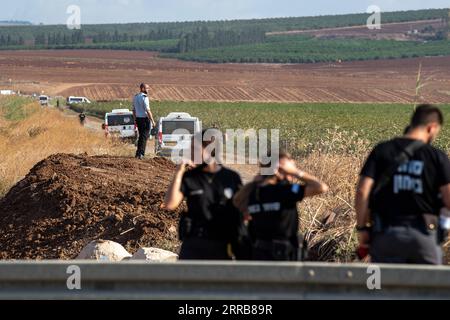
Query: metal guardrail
point(219, 280)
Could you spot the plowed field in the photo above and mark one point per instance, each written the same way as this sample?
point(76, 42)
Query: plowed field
point(112, 75)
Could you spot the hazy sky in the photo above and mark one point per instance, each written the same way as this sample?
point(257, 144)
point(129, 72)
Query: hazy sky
point(120, 11)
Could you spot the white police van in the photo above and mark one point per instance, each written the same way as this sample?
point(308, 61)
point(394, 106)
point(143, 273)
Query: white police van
point(175, 132)
point(120, 123)
point(75, 100)
point(44, 100)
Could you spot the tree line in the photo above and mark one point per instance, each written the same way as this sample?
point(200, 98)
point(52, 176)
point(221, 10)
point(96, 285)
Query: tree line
point(202, 38)
point(8, 40)
point(173, 30)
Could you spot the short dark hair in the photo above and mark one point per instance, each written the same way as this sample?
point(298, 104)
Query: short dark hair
point(282, 154)
point(426, 114)
point(143, 85)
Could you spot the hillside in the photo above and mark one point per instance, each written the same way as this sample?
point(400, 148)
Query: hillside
point(102, 35)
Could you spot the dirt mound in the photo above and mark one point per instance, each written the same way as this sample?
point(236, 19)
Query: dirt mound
point(66, 201)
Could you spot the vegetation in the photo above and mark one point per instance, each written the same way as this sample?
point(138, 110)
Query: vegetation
point(16, 108)
point(302, 124)
point(159, 45)
point(304, 49)
point(201, 38)
point(29, 36)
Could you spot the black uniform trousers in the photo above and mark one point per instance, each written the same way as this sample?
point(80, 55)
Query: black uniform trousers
point(144, 128)
point(405, 244)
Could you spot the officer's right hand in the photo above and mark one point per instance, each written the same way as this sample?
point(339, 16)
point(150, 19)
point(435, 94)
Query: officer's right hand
point(288, 167)
point(185, 165)
point(364, 238)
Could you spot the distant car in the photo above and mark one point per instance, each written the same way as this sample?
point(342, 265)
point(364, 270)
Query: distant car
point(44, 100)
point(74, 100)
point(120, 123)
point(168, 140)
point(6, 92)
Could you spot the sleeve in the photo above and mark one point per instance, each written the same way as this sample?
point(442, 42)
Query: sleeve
point(147, 103)
point(134, 104)
point(444, 167)
point(293, 192)
point(239, 182)
point(369, 169)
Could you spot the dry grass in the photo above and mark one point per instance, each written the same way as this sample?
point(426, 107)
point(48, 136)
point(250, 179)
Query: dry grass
point(25, 142)
point(328, 221)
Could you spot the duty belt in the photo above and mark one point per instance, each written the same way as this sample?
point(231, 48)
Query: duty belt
point(428, 222)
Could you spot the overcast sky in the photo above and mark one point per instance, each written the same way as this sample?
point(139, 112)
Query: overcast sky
point(121, 11)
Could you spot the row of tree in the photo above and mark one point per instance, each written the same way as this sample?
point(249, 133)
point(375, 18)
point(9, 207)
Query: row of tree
point(160, 34)
point(59, 38)
point(78, 37)
point(8, 40)
point(202, 38)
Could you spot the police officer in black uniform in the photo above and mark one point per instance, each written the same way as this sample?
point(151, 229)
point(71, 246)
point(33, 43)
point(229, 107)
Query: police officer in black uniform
point(270, 203)
point(404, 185)
point(209, 229)
point(82, 118)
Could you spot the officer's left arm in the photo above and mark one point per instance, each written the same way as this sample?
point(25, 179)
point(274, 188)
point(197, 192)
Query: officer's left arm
point(445, 192)
point(363, 191)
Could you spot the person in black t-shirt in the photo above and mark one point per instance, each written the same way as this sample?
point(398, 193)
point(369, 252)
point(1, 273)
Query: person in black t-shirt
point(209, 229)
point(404, 185)
point(270, 203)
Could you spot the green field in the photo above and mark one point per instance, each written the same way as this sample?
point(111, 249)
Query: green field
point(303, 49)
point(305, 124)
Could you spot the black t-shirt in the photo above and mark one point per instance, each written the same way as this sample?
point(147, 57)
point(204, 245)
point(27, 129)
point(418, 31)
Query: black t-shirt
point(273, 210)
point(415, 187)
point(209, 199)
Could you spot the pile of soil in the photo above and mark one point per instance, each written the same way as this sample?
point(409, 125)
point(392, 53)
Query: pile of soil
point(66, 201)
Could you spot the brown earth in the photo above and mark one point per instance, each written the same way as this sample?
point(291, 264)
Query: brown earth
point(66, 201)
point(111, 75)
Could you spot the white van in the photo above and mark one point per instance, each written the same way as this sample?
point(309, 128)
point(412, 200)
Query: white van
point(120, 123)
point(74, 100)
point(168, 140)
point(44, 100)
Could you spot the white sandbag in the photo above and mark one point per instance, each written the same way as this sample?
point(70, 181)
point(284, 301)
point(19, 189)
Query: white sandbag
point(155, 255)
point(102, 250)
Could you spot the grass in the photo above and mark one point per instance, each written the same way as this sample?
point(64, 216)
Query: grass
point(17, 108)
point(301, 124)
point(29, 134)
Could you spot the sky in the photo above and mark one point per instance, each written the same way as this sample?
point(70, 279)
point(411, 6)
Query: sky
point(123, 11)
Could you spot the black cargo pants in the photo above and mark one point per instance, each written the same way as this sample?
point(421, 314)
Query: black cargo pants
point(406, 244)
point(144, 128)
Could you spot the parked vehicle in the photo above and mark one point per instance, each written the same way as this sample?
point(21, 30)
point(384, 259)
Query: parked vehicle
point(120, 123)
point(174, 133)
point(74, 100)
point(44, 100)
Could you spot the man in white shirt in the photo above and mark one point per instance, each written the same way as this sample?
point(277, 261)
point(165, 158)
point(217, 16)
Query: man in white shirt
point(144, 119)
